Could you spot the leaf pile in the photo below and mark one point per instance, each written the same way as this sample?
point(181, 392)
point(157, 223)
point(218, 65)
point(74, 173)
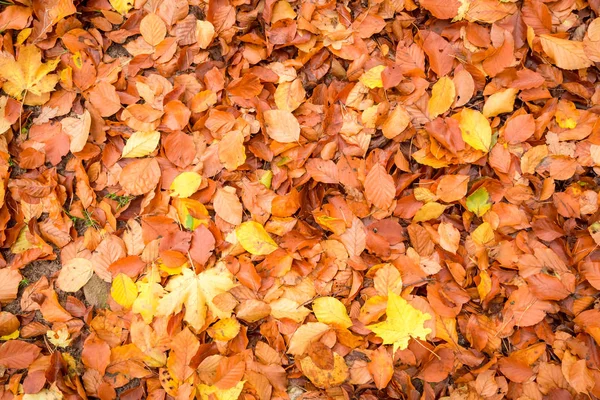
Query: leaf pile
point(272, 199)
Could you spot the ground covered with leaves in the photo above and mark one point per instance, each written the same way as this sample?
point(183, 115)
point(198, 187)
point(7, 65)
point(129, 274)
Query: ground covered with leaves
point(272, 199)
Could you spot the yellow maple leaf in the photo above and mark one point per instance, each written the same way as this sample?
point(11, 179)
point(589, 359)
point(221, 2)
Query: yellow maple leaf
point(150, 291)
point(60, 338)
point(196, 292)
point(254, 238)
point(27, 75)
point(403, 322)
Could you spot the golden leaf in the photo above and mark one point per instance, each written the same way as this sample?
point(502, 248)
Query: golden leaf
point(254, 238)
point(475, 129)
point(124, 291)
point(442, 97)
point(403, 322)
point(331, 311)
point(185, 184)
point(28, 76)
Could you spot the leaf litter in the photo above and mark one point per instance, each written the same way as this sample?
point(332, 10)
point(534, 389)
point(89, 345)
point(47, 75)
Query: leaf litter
point(277, 199)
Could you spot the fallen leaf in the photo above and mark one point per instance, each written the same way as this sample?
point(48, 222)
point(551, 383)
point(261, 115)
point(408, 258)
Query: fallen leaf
point(476, 130)
point(123, 290)
point(254, 238)
point(74, 274)
point(141, 144)
point(185, 184)
point(442, 97)
point(282, 126)
point(403, 322)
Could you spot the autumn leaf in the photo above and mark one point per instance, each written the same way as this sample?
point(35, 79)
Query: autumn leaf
point(74, 274)
point(282, 126)
point(205, 32)
point(18, 354)
point(123, 290)
point(140, 177)
point(479, 202)
point(500, 102)
point(197, 293)
point(152, 28)
point(379, 187)
point(372, 78)
point(122, 6)
point(27, 75)
point(186, 184)
point(403, 322)
point(141, 144)
point(209, 392)
point(566, 54)
point(325, 378)
point(254, 238)
point(224, 330)
point(476, 130)
point(78, 130)
point(442, 97)
point(330, 310)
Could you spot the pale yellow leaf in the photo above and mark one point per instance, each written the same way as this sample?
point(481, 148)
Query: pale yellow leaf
point(74, 274)
point(331, 311)
point(78, 130)
point(140, 144)
point(59, 338)
point(197, 293)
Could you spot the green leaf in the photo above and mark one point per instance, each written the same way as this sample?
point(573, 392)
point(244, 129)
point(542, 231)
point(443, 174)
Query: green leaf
point(479, 202)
